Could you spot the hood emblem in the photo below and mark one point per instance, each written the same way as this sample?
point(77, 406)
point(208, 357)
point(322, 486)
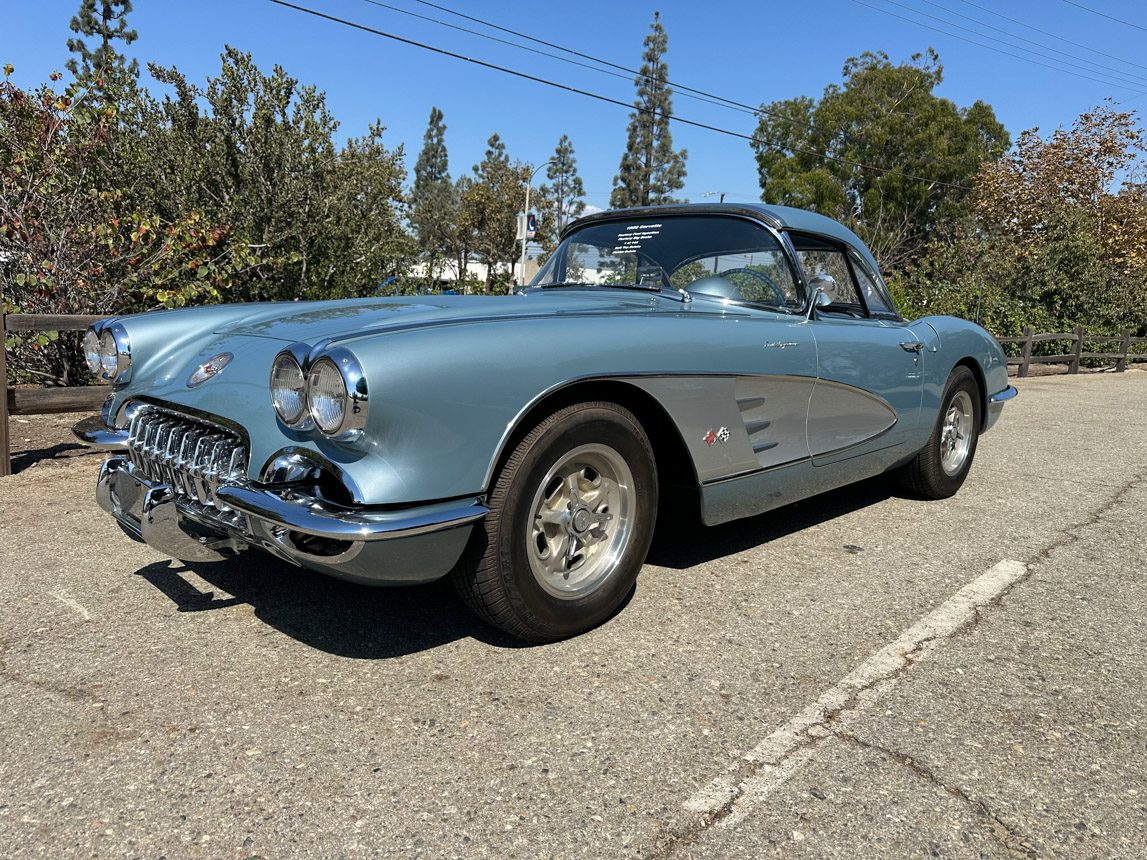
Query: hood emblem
point(209, 369)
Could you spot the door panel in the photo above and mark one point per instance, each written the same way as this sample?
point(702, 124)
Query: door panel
point(868, 391)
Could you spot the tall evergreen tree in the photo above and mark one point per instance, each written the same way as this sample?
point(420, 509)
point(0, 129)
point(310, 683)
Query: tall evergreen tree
point(567, 188)
point(432, 199)
point(106, 19)
point(651, 170)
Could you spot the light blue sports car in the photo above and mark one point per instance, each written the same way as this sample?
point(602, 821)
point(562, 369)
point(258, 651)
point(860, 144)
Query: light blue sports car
point(740, 357)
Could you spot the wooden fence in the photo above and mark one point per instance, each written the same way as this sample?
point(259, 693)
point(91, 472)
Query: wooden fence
point(38, 401)
point(1072, 359)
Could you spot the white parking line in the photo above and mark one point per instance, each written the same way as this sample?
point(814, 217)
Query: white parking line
point(69, 602)
point(728, 799)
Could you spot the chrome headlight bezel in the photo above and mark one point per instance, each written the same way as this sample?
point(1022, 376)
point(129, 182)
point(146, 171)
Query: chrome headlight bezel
point(114, 353)
point(296, 355)
point(356, 398)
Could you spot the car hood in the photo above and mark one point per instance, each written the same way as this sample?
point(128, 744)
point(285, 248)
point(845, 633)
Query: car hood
point(312, 322)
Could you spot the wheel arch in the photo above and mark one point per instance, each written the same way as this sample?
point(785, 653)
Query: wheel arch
point(675, 467)
point(981, 384)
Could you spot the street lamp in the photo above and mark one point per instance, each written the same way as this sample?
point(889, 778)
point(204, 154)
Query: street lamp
point(526, 217)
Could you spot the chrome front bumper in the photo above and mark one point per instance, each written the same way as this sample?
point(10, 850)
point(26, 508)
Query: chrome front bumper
point(996, 405)
point(415, 544)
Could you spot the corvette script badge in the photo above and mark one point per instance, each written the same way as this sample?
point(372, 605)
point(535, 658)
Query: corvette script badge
point(209, 369)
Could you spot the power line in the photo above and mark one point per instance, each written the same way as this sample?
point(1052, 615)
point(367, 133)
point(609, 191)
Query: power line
point(680, 88)
point(1032, 41)
point(1053, 35)
point(1113, 80)
point(982, 45)
point(1104, 15)
point(689, 93)
point(609, 100)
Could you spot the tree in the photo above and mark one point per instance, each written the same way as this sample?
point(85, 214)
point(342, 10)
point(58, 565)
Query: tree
point(562, 201)
point(651, 170)
point(1054, 239)
point(489, 206)
point(881, 153)
point(433, 203)
point(109, 23)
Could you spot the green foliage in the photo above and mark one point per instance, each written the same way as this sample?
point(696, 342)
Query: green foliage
point(106, 19)
point(880, 153)
point(1052, 242)
point(651, 170)
point(255, 152)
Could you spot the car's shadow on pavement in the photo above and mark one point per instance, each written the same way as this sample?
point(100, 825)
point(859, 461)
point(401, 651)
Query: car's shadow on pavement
point(337, 617)
point(375, 623)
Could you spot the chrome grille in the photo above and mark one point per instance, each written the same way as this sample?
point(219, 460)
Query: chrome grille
point(194, 457)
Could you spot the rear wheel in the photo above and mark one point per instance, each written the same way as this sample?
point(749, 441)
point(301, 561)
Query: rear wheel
point(940, 468)
point(571, 517)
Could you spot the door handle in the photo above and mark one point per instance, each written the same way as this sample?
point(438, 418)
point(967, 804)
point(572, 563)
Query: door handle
point(912, 346)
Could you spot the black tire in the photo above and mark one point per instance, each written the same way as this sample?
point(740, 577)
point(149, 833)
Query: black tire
point(495, 578)
point(924, 476)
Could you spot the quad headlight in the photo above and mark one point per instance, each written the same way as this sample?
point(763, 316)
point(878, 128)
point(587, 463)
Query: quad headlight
point(331, 392)
point(107, 352)
point(289, 389)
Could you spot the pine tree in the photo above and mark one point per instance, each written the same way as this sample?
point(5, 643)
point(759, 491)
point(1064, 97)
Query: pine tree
point(651, 170)
point(489, 208)
point(109, 24)
point(432, 199)
point(567, 189)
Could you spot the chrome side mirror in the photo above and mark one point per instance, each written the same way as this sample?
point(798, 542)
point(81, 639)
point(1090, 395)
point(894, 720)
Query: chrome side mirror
point(820, 299)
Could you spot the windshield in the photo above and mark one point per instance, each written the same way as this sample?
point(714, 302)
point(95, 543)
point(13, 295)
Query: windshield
point(713, 255)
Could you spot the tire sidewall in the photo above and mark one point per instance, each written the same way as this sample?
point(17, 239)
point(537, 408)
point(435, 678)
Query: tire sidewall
point(541, 610)
point(961, 379)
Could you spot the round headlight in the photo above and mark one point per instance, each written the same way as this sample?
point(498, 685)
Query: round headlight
point(327, 396)
point(92, 352)
point(288, 389)
point(109, 355)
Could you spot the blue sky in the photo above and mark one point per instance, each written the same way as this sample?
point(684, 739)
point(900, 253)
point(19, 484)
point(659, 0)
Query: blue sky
point(752, 52)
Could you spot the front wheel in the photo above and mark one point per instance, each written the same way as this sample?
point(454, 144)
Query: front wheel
point(940, 468)
point(571, 517)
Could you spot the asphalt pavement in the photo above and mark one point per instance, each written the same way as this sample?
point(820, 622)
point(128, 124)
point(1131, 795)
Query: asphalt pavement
point(858, 675)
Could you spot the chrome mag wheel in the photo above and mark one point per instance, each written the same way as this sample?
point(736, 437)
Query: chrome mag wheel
point(582, 520)
point(957, 433)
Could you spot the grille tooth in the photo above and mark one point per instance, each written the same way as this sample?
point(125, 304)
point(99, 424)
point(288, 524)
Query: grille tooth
point(194, 457)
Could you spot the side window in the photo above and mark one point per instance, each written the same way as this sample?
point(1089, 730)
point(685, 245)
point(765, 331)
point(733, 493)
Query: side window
point(877, 299)
point(831, 264)
point(755, 274)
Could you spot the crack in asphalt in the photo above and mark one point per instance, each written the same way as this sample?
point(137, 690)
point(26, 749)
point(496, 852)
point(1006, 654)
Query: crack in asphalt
point(819, 722)
point(1005, 834)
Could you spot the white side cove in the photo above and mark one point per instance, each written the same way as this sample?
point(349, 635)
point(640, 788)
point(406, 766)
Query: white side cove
point(793, 744)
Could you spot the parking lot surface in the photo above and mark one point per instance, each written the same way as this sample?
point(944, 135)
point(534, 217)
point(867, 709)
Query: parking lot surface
point(857, 675)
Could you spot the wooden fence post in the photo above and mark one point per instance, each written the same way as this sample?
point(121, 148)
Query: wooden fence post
point(1124, 348)
point(1026, 355)
point(5, 462)
point(1074, 368)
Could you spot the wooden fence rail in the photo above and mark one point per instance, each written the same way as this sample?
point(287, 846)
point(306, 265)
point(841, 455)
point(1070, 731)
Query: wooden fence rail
point(81, 398)
point(1077, 338)
point(40, 401)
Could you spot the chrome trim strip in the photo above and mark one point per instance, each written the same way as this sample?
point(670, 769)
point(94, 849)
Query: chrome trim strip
point(1003, 396)
point(308, 516)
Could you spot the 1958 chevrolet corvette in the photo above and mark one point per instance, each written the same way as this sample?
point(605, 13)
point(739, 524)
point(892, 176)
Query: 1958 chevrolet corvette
point(748, 355)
